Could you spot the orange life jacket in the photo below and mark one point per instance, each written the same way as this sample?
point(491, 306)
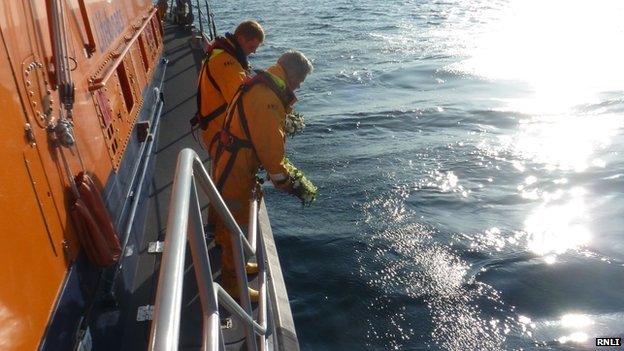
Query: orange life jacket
point(231, 143)
point(230, 45)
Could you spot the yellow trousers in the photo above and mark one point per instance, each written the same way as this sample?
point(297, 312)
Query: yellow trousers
point(239, 207)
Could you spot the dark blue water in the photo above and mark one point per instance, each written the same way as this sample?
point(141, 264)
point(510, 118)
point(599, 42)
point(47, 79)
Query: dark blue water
point(468, 156)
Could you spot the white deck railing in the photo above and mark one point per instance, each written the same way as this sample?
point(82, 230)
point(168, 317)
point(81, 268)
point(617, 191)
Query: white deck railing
point(185, 221)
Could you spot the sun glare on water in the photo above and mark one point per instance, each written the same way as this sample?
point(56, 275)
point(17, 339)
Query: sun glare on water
point(561, 55)
point(566, 143)
point(555, 229)
point(567, 51)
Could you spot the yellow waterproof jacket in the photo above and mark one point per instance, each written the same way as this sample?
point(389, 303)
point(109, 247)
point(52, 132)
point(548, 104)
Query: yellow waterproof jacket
point(265, 115)
point(227, 75)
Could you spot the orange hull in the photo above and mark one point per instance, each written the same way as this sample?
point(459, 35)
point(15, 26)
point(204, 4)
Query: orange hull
point(114, 48)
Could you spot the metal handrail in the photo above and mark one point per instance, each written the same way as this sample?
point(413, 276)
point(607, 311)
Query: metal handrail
point(90, 45)
point(135, 187)
point(101, 82)
point(199, 14)
point(238, 239)
point(185, 209)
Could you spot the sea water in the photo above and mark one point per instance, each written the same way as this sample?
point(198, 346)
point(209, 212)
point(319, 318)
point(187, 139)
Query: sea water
point(468, 156)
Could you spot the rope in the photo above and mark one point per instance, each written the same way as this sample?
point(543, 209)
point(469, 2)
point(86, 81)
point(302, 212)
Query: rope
point(63, 130)
point(68, 171)
point(79, 155)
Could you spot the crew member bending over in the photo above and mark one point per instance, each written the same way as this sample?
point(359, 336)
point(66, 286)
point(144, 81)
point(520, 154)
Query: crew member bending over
point(253, 137)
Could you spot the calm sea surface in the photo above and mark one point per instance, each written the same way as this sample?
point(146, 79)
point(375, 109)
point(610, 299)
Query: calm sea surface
point(469, 162)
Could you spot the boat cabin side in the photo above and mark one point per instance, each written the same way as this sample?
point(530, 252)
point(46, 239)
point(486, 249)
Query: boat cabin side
point(112, 53)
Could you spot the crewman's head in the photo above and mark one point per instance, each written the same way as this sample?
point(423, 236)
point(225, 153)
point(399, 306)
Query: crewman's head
point(296, 66)
point(249, 35)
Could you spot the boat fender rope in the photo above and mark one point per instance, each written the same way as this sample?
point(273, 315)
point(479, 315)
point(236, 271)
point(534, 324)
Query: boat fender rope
point(96, 233)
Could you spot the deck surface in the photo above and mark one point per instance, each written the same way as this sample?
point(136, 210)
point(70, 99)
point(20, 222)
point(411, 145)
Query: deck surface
point(179, 91)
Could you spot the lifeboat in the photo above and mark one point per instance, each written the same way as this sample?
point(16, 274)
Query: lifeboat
point(103, 188)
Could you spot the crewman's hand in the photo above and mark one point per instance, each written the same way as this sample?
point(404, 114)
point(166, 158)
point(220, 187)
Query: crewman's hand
point(285, 185)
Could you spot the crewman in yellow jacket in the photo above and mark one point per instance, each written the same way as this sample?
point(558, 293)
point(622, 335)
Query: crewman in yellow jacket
point(253, 137)
point(222, 73)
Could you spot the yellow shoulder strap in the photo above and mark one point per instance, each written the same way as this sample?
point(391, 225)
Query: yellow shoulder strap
point(216, 52)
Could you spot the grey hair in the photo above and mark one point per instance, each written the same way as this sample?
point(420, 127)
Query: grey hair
point(295, 64)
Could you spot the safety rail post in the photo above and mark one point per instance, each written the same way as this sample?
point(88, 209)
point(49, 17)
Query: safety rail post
point(210, 189)
point(252, 235)
point(211, 22)
point(199, 14)
point(165, 331)
point(231, 305)
point(203, 275)
point(262, 303)
point(185, 222)
point(237, 248)
point(253, 224)
point(208, 18)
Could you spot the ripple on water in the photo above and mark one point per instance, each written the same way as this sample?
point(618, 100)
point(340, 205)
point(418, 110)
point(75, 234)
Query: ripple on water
point(406, 262)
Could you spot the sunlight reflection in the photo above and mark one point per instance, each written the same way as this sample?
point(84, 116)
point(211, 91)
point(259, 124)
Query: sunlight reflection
point(578, 337)
point(555, 229)
point(575, 320)
point(10, 330)
point(576, 328)
point(566, 143)
point(550, 259)
point(566, 50)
